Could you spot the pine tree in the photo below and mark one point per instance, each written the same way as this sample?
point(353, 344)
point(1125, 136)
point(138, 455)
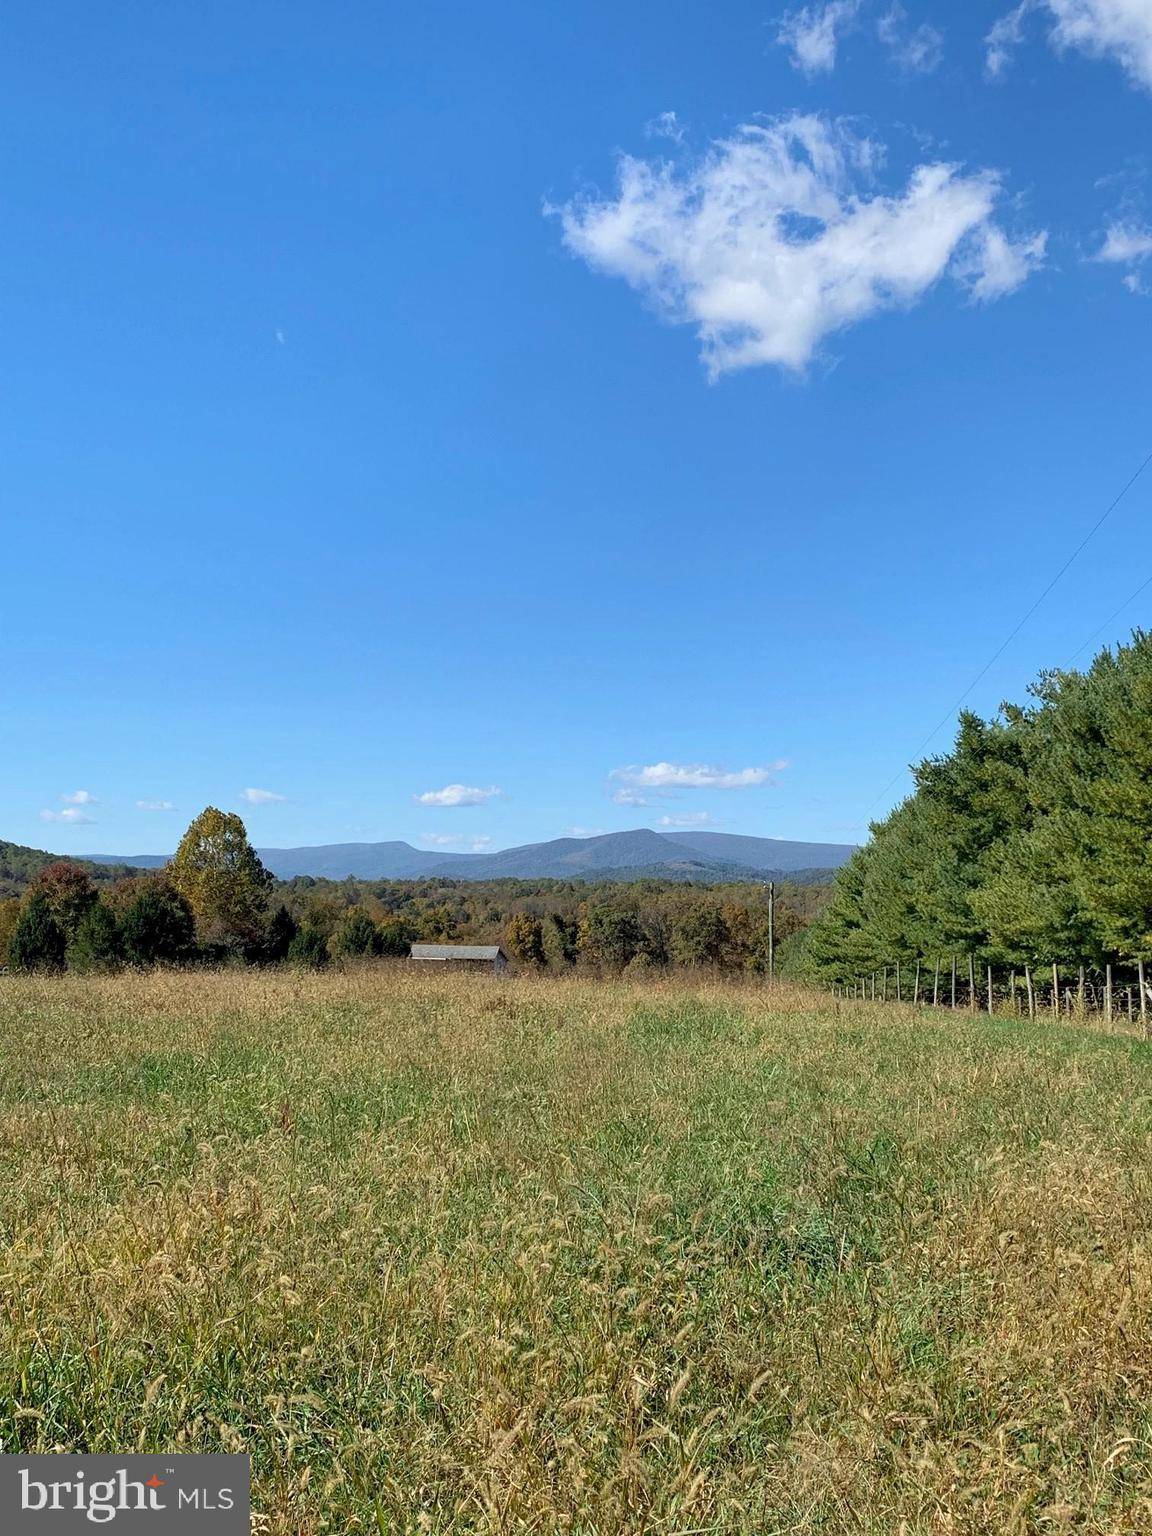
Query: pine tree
point(157, 927)
point(96, 945)
point(37, 943)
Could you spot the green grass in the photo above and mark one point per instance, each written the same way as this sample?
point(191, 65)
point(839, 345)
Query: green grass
point(494, 1255)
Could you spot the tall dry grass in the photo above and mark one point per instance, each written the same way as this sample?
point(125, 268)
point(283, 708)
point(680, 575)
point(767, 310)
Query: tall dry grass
point(492, 1255)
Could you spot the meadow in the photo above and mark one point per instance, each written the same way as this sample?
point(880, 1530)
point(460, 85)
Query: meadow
point(484, 1254)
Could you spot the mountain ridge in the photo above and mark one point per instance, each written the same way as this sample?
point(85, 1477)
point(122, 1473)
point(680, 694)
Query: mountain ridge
point(639, 853)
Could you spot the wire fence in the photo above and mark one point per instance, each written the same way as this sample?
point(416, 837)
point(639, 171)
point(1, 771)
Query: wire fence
point(960, 982)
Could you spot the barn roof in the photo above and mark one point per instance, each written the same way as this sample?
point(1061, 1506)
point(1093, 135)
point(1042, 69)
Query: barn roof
point(456, 952)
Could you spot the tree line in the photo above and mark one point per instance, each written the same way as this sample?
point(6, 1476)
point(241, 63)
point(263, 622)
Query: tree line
point(1028, 847)
point(216, 902)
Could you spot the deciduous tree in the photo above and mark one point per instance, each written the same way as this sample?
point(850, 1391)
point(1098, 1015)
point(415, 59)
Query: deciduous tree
point(219, 874)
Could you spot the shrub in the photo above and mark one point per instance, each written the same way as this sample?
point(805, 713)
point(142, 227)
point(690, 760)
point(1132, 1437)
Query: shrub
point(309, 949)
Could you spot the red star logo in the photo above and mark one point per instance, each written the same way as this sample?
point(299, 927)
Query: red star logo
point(154, 1482)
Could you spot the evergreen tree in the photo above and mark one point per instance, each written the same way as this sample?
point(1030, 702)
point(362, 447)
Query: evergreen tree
point(96, 944)
point(282, 929)
point(37, 942)
point(309, 949)
point(157, 927)
point(396, 936)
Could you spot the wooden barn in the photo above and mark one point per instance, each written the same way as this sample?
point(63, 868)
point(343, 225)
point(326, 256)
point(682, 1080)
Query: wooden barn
point(478, 957)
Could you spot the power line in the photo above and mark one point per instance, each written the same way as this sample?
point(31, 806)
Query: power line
point(996, 655)
point(1108, 622)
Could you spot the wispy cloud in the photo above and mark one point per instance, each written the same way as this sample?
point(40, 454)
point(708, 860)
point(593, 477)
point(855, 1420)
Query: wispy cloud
point(456, 795)
point(812, 33)
point(666, 125)
point(1117, 30)
point(917, 50)
point(260, 796)
point(478, 844)
point(688, 820)
point(660, 776)
point(1004, 38)
point(71, 817)
point(584, 832)
point(630, 797)
point(779, 237)
point(155, 805)
point(79, 797)
point(1127, 245)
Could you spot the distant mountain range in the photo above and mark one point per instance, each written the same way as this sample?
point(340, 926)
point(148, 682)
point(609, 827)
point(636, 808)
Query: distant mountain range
point(638, 855)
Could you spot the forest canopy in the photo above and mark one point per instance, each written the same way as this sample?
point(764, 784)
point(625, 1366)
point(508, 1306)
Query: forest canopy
point(216, 903)
point(1027, 844)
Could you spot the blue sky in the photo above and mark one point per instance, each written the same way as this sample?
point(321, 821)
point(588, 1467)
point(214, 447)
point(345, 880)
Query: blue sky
point(654, 414)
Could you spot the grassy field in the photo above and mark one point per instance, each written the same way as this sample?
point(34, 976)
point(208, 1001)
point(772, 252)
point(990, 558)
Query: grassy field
point(488, 1255)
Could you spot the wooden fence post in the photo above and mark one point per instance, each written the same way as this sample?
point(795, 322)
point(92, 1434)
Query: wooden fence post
point(1108, 993)
point(1143, 995)
point(1055, 990)
point(916, 988)
point(899, 999)
point(971, 983)
point(936, 984)
point(884, 996)
point(989, 991)
point(1012, 993)
point(1031, 994)
point(1082, 997)
point(953, 981)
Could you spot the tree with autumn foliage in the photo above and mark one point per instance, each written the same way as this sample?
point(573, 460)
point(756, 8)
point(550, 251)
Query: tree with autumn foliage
point(220, 876)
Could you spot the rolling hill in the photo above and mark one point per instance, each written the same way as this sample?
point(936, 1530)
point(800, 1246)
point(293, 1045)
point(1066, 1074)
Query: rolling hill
point(637, 854)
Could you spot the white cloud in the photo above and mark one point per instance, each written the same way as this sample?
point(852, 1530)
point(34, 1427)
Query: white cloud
point(812, 33)
point(1118, 30)
point(457, 794)
point(630, 797)
point(1125, 244)
point(917, 50)
point(660, 776)
point(584, 832)
point(155, 805)
point(455, 840)
point(71, 818)
point(260, 796)
point(1004, 38)
point(689, 819)
point(777, 238)
point(997, 265)
point(78, 797)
